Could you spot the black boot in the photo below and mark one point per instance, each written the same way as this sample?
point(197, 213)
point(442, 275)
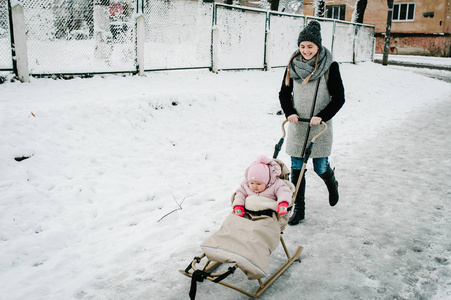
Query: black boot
point(332, 185)
point(299, 203)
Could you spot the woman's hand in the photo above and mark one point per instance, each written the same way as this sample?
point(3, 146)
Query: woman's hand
point(293, 118)
point(315, 121)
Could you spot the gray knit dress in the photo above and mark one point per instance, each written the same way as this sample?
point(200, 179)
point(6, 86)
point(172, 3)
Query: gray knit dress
point(303, 95)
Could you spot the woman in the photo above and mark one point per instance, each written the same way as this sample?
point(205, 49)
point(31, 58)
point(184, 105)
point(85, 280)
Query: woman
point(312, 88)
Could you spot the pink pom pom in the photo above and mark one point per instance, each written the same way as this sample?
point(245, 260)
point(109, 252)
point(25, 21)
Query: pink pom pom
point(263, 159)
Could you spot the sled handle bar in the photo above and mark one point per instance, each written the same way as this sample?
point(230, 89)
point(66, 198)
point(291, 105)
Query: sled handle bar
point(306, 121)
point(278, 146)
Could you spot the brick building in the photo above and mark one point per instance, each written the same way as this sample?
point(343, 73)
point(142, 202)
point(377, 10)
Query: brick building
point(419, 27)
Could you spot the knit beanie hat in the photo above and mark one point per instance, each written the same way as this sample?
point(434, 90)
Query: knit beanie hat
point(311, 33)
point(259, 170)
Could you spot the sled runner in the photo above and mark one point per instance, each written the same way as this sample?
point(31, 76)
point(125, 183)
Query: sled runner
point(246, 243)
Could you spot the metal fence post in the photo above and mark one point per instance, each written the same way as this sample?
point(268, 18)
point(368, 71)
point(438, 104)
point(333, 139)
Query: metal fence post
point(19, 42)
point(215, 49)
point(140, 38)
point(214, 40)
point(268, 52)
point(333, 38)
point(356, 30)
point(268, 43)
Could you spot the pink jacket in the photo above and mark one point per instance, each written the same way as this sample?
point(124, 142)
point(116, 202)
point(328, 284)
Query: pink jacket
point(276, 189)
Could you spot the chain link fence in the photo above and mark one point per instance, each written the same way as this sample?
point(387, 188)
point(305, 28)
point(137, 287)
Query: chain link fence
point(284, 31)
point(100, 36)
point(348, 42)
point(343, 42)
point(241, 37)
point(5, 38)
point(78, 36)
point(364, 43)
point(178, 34)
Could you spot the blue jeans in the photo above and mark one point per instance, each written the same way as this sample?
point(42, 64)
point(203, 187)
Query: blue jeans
point(320, 164)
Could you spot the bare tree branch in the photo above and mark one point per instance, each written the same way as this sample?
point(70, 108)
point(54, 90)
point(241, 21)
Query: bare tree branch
point(179, 205)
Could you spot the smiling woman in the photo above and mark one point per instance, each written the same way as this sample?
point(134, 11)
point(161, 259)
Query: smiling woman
point(308, 49)
point(312, 89)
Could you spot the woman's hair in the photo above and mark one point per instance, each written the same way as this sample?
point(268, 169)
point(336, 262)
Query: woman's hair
point(287, 78)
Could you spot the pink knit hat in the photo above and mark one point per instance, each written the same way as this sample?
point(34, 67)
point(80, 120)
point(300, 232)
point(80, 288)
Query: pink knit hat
point(259, 170)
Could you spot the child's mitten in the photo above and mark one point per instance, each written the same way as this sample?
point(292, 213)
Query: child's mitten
point(239, 210)
point(282, 208)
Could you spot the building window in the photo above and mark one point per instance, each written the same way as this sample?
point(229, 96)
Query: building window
point(403, 11)
point(337, 12)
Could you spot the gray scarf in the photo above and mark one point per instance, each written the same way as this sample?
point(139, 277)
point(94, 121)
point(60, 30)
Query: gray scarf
point(301, 68)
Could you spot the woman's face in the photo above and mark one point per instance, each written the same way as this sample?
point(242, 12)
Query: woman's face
point(308, 49)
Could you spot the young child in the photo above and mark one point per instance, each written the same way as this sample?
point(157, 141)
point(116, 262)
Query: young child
point(262, 180)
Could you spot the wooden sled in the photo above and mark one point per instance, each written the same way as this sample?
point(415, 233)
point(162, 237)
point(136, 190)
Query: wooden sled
point(206, 272)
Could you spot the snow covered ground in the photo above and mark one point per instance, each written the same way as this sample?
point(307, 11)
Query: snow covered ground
point(127, 176)
point(419, 60)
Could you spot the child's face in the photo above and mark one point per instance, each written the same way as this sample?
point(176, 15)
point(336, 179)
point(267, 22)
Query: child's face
point(257, 186)
point(308, 49)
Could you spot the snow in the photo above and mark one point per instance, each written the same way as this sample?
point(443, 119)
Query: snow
point(419, 60)
point(15, 2)
point(128, 175)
